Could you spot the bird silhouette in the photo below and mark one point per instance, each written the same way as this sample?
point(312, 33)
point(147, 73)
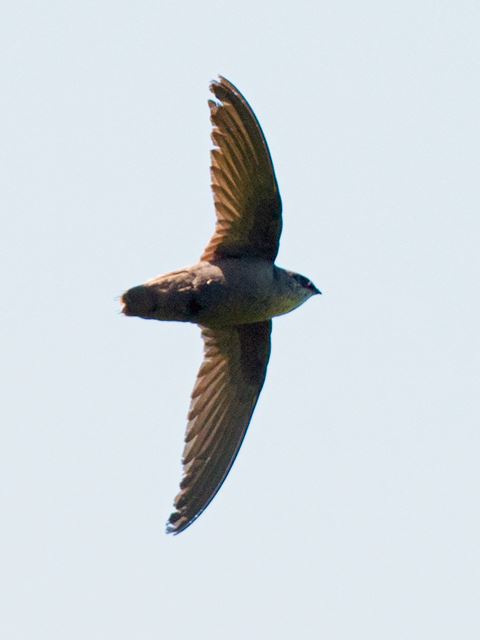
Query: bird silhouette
point(232, 293)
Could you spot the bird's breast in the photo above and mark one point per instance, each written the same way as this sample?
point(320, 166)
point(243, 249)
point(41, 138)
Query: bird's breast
point(239, 291)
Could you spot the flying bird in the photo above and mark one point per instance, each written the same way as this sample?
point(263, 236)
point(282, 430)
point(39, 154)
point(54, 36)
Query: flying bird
point(232, 293)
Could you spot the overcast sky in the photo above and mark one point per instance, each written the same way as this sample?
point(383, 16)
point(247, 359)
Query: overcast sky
point(353, 508)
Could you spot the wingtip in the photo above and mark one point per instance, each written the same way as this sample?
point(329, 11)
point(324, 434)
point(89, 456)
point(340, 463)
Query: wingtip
point(177, 523)
point(222, 88)
point(171, 528)
point(216, 82)
point(220, 80)
point(224, 80)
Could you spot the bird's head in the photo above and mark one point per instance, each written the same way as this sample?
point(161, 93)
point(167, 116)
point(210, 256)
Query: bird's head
point(304, 285)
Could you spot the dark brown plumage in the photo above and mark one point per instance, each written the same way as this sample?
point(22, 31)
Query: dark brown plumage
point(232, 293)
point(245, 190)
point(223, 399)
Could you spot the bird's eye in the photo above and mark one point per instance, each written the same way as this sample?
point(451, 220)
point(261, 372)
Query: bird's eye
point(305, 282)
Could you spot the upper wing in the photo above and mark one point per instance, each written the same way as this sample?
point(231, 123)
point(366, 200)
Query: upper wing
point(223, 399)
point(245, 190)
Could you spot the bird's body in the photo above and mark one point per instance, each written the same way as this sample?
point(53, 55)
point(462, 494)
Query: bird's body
point(232, 293)
point(218, 294)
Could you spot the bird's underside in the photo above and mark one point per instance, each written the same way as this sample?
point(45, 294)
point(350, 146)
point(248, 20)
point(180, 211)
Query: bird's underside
point(228, 292)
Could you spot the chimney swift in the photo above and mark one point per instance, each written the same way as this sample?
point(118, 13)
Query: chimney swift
point(232, 293)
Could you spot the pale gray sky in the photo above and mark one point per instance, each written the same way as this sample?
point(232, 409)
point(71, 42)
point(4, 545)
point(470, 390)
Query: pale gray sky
point(352, 510)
